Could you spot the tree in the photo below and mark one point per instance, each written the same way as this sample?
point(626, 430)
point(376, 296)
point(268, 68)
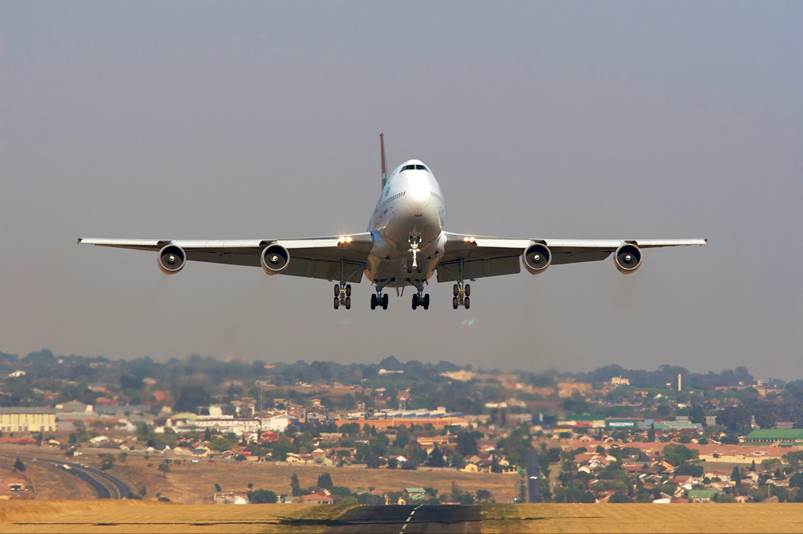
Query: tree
point(218, 489)
point(19, 465)
point(735, 418)
point(164, 468)
point(142, 492)
point(736, 477)
point(619, 497)
point(484, 495)
point(651, 433)
point(435, 458)
point(325, 481)
point(467, 443)
point(190, 398)
point(106, 461)
point(295, 486)
point(677, 454)
point(261, 496)
point(697, 414)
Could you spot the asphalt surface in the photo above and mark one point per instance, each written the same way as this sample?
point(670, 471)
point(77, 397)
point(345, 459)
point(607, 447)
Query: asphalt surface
point(408, 519)
point(104, 485)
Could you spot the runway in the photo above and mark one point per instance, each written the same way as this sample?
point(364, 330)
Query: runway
point(408, 519)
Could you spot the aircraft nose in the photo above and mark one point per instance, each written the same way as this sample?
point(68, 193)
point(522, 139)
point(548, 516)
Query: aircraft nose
point(418, 192)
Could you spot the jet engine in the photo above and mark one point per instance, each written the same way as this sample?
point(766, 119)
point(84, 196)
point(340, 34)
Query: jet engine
point(537, 258)
point(627, 258)
point(172, 259)
point(275, 258)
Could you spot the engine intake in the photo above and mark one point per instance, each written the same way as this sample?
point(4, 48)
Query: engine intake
point(537, 257)
point(627, 258)
point(275, 258)
point(172, 259)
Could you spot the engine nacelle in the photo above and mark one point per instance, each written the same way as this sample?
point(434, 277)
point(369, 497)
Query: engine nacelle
point(172, 259)
point(627, 258)
point(275, 259)
point(537, 257)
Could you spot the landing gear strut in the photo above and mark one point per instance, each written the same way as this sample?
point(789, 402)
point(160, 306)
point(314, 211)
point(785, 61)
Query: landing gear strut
point(342, 291)
point(415, 243)
point(342, 296)
point(461, 292)
point(379, 298)
point(419, 297)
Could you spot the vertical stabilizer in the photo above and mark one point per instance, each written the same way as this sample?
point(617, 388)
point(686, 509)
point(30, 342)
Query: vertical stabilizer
point(383, 160)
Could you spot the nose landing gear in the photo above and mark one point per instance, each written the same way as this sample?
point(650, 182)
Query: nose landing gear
point(415, 243)
point(461, 295)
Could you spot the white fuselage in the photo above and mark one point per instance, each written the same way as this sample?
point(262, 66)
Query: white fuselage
point(410, 209)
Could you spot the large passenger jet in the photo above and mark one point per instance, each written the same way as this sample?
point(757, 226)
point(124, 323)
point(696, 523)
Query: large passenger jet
point(405, 245)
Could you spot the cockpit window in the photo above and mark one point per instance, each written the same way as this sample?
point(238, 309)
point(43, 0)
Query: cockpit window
point(414, 168)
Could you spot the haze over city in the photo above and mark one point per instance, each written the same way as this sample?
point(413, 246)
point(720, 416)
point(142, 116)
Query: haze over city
point(556, 119)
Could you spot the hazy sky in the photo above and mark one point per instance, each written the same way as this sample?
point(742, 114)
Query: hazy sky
point(260, 119)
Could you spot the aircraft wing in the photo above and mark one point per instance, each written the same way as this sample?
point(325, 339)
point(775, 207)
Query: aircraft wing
point(318, 257)
point(483, 256)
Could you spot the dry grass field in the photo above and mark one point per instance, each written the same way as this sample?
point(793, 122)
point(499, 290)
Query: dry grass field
point(194, 483)
point(68, 517)
point(73, 517)
point(641, 518)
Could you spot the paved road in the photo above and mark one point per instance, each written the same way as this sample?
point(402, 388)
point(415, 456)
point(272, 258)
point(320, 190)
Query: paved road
point(408, 519)
point(104, 485)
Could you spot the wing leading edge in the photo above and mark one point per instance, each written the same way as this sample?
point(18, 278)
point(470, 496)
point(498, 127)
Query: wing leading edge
point(483, 256)
point(318, 257)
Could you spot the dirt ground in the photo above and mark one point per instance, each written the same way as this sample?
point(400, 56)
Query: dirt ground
point(193, 483)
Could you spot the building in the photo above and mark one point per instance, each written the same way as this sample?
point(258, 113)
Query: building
point(620, 381)
point(27, 420)
point(777, 436)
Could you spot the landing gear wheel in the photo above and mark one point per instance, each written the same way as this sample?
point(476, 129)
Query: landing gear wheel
point(455, 303)
point(348, 303)
point(373, 301)
point(337, 290)
point(337, 303)
point(385, 301)
point(468, 290)
point(467, 303)
point(455, 290)
point(426, 301)
point(348, 290)
point(415, 300)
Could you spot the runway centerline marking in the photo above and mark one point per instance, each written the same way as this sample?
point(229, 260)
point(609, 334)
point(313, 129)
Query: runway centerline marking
point(409, 518)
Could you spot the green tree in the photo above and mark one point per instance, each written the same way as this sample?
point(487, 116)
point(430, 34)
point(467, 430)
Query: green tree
point(295, 486)
point(467, 443)
point(325, 481)
point(677, 454)
point(436, 458)
point(19, 465)
point(262, 496)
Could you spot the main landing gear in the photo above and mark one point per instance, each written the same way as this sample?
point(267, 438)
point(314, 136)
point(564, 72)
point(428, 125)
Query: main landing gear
point(461, 295)
point(379, 299)
point(421, 299)
point(342, 296)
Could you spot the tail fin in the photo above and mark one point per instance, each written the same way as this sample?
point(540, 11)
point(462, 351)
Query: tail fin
point(382, 158)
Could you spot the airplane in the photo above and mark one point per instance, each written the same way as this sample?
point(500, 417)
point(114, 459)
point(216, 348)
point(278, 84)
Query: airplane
point(405, 245)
